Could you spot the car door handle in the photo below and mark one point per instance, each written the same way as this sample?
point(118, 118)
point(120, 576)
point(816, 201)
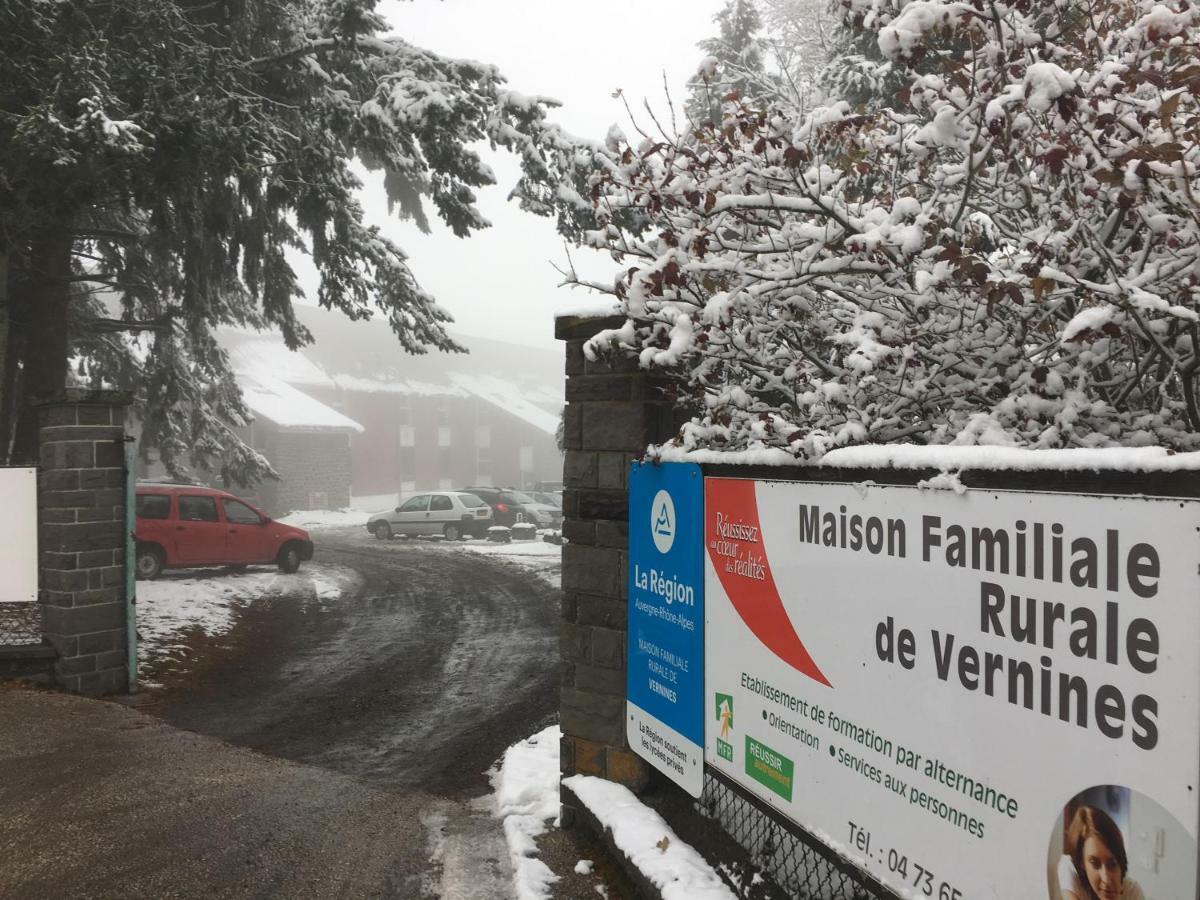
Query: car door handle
point(233, 531)
point(181, 528)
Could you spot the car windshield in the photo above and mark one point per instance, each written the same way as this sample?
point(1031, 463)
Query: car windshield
point(470, 500)
point(516, 497)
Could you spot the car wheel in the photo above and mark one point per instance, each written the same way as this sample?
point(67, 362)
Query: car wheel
point(289, 558)
point(149, 563)
point(452, 532)
point(383, 531)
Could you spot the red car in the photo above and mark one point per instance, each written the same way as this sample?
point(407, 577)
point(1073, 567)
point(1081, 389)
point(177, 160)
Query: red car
point(189, 525)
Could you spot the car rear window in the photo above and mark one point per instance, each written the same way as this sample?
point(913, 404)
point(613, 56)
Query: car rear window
point(153, 506)
point(193, 508)
point(470, 501)
point(515, 497)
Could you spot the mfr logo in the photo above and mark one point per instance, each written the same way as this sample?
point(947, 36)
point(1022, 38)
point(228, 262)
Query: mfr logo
point(662, 521)
point(725, 713)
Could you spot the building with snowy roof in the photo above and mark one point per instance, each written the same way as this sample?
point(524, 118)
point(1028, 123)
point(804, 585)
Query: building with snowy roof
point(352, 418)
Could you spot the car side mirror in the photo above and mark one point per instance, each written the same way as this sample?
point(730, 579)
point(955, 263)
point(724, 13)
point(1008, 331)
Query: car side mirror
point(397, 509)
point(265, 520)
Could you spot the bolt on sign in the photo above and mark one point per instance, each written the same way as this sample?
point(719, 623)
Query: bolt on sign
point(665, 656)
point(986, 695)
point(19, 534)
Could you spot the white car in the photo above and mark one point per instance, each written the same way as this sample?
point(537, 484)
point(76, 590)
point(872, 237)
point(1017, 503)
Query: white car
point(452, 514)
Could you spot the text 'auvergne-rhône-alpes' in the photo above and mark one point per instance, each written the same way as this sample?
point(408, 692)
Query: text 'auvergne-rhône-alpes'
point(1107, 562)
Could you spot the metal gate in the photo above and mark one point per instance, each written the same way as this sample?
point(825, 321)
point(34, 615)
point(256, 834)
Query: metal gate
point(131, 559)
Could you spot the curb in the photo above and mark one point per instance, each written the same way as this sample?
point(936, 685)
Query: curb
point(585, 819)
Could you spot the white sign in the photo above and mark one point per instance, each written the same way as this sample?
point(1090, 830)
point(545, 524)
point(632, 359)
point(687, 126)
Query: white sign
point(18, 535)
point(992, 695)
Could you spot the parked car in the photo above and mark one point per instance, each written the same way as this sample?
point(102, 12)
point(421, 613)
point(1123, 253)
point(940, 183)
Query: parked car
point(548, 498)
point(511, 506)
point(453, 514)
point(180, 526)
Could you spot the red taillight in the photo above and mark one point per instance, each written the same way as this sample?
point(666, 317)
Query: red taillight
point(500, 507)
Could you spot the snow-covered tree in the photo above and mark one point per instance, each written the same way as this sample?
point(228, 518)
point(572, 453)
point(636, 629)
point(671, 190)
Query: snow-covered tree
point(1010, 255)
point(171, 153)
point(801, 36)
point(734, 63)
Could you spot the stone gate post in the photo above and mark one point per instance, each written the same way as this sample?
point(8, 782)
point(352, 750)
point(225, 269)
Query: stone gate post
point(614, 410)
point(81, 536)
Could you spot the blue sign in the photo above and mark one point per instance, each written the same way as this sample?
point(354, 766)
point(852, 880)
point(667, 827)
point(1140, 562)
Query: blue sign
point(664, 688)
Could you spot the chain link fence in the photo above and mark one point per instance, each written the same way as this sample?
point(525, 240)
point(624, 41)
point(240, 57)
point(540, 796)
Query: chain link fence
point(20, 624)
point(798, 863)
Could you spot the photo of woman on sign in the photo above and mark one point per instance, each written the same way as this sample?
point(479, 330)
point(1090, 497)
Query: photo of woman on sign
point(1110, 842)
point(1099, 864)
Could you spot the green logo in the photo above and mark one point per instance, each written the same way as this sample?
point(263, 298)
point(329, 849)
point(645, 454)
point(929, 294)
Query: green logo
point(769, 768)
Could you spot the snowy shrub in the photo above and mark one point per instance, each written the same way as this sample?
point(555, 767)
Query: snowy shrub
point(1006, 254)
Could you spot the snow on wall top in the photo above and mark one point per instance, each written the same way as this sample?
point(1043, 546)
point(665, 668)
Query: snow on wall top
point(587, 308)
point(948, 458)
point(289, 408)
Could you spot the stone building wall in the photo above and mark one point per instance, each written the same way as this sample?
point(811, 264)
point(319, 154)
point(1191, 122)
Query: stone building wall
point(308, 463)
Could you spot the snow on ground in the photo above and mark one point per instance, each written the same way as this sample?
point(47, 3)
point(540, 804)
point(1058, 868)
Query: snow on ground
point(527, 800)
point(672, 866)
point(177, 604)
point(327, 518)
point(543, 559)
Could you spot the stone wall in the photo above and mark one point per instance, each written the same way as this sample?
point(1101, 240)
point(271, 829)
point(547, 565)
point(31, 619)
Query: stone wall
point(614, 410)
point(82, 539)
point(307, 463)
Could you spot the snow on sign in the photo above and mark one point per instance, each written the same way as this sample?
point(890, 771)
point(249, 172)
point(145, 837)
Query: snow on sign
point(18, 535)
point(978, 696)
point(664, 685)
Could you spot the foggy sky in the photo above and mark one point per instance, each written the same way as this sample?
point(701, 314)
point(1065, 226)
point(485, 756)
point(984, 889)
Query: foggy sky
point(500, 282)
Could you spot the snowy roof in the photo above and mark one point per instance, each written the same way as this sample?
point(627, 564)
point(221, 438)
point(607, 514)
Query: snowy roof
point(509, 397)
point(289, 408)
point(364, 356)
point(254, 352)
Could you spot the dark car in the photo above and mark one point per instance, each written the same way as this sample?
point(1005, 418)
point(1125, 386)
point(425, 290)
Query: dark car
point(510, 506)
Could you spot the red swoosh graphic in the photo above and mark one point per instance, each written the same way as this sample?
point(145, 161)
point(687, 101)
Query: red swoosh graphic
point(756, 601)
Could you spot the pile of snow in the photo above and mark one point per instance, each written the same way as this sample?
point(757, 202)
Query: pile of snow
point(543, 559)
point(527, 800)
point(326, 518)
point(672, 866)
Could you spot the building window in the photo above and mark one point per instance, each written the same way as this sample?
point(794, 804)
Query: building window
point(483, 466)
point(407, 487)
point(526, 460)
point(443, 435)
point(445, 484)
point(441, 408)
point(404, 410)
point(483, 436)
point(407, 436)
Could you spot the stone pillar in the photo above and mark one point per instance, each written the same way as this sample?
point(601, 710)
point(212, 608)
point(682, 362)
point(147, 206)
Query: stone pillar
point(82, 540)
point(614, 410)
